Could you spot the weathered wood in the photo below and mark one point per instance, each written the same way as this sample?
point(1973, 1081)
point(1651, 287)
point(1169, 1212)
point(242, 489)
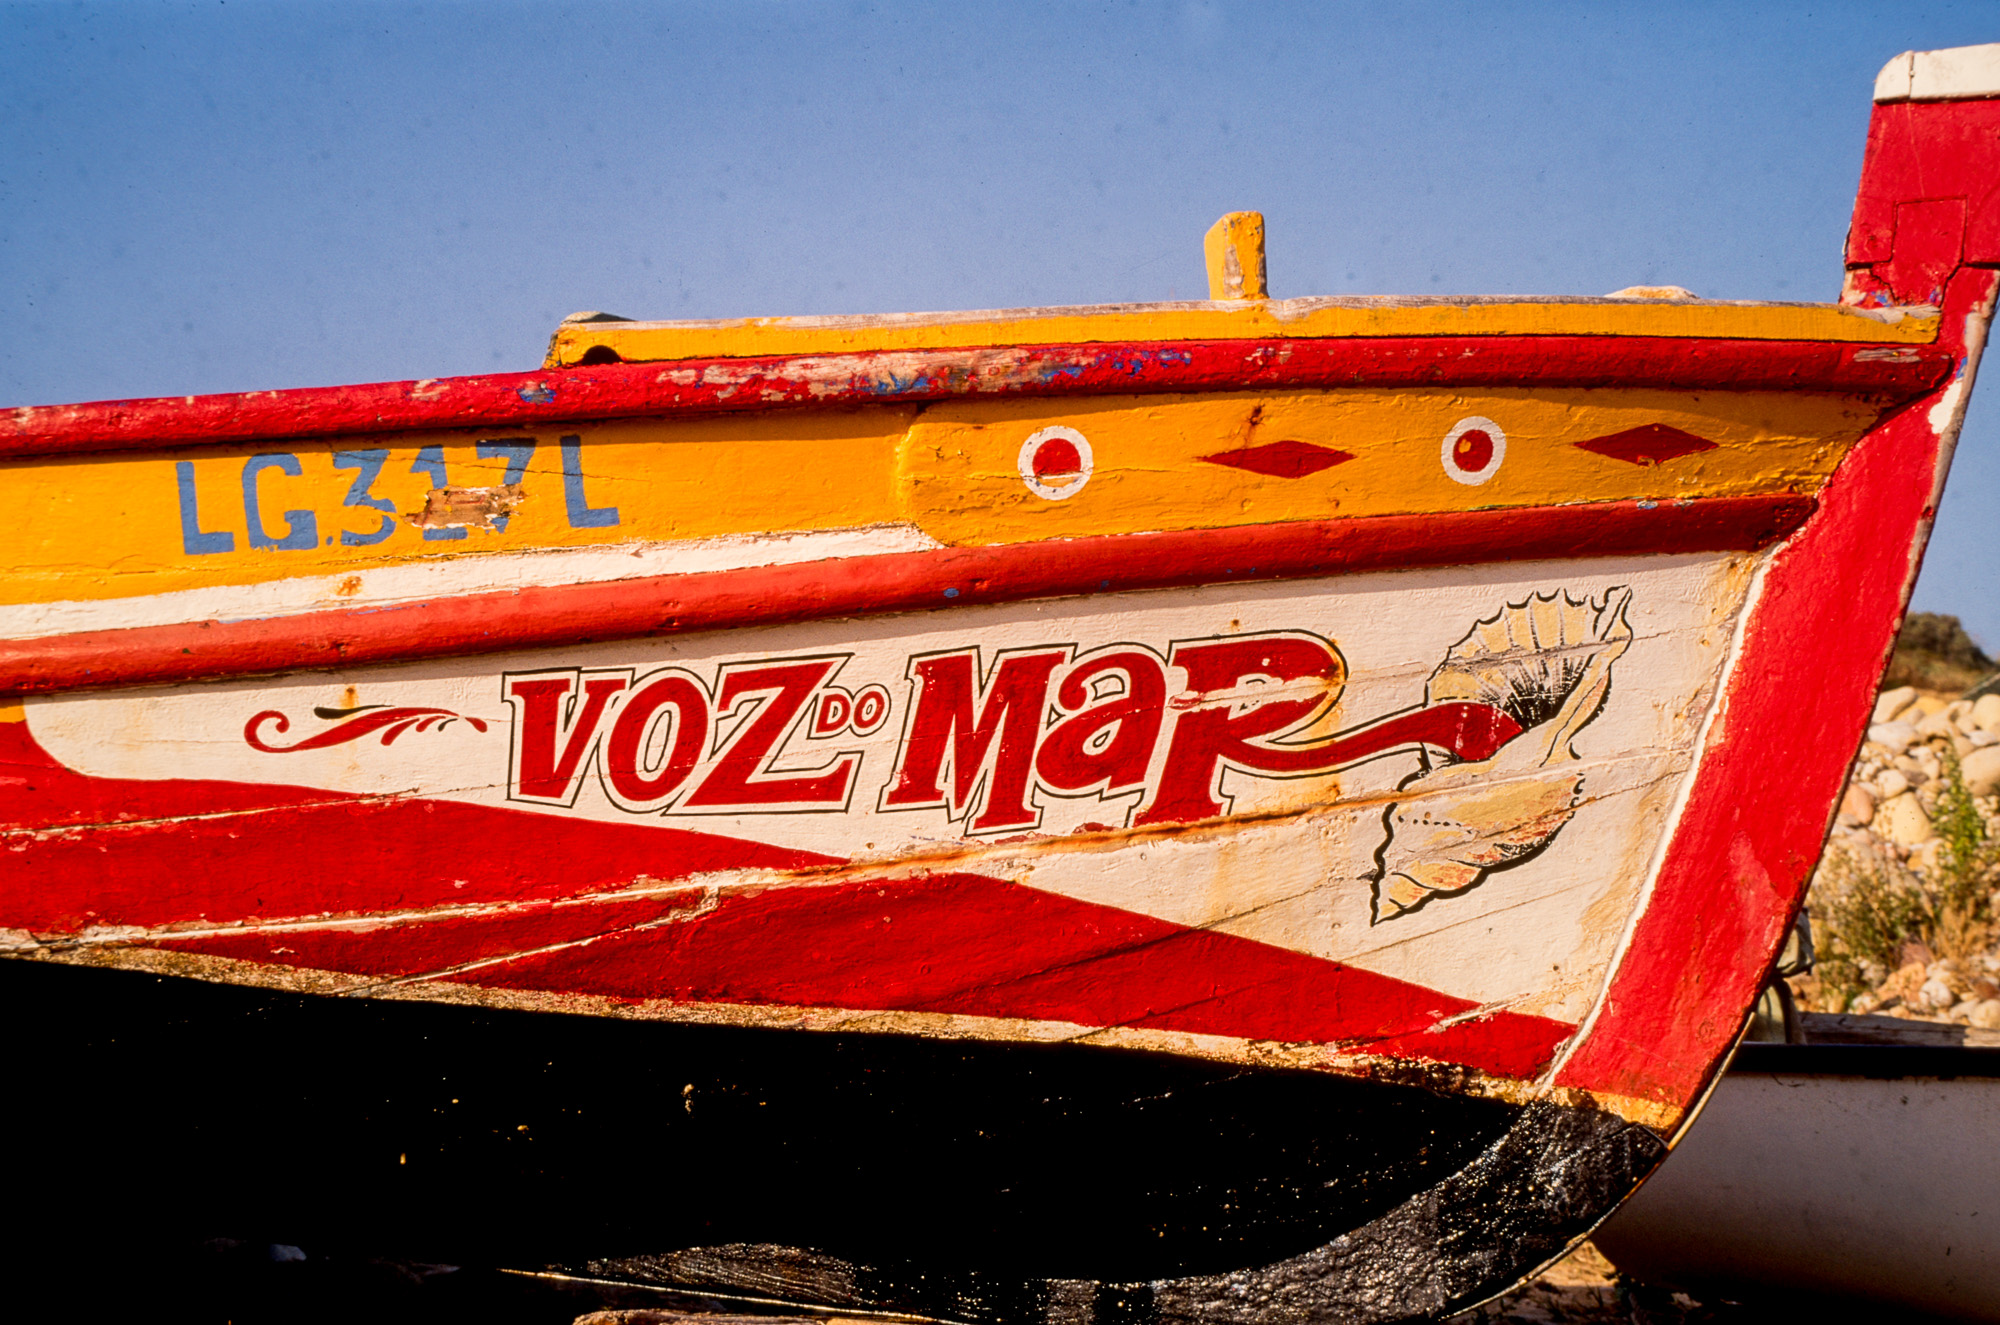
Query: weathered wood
point(1840, 1028)
point(1234, 252)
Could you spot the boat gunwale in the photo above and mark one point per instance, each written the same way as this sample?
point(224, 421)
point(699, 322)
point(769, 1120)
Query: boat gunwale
point(1890, 372)
point(1319, 316)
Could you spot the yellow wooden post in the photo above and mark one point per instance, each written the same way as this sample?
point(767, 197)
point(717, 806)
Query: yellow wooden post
point(1234, 247)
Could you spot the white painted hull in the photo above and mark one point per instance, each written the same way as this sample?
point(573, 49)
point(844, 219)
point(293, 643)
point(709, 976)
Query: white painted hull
point(1884, 1189)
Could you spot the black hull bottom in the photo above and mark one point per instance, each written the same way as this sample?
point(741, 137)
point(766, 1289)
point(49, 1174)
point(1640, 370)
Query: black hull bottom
point(967, 1181)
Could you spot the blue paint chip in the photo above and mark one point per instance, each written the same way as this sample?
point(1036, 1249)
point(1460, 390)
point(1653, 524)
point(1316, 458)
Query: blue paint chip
point(536, 393)
point(951, 593)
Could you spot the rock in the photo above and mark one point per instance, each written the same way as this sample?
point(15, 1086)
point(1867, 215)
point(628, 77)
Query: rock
point(1982, 738)
point(1960, 710)
point(1904, 984)
point(1937, 726)
point(1893, 736)
point(1981, 769)
point(1858, 805)
point(1984, 988)
point(1925, 706)
point(1891, 703)
point(1891, 783)
point(1986, 713)
point(1963, 746)
point(1903, 821)
point(1986, 1016)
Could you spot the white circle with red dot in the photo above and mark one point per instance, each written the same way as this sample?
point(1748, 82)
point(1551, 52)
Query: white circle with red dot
point(1473, 450)
point(1055, 463)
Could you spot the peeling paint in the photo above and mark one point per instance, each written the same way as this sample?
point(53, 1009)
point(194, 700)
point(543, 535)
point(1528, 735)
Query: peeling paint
point(467, 508)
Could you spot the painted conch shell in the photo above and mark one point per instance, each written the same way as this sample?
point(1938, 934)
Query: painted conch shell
point(1546, 663)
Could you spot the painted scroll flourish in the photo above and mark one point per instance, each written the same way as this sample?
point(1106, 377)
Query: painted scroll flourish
point(359, 722)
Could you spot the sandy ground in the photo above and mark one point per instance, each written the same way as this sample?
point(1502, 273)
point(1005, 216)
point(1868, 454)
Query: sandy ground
point(1585, 1289)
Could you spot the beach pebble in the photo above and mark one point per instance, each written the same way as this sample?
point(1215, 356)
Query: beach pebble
point(1890, 703)
point(1981, 770)
point(1935, 995)
point(1986, 1016)
point(1893, 736)
point(1903, 821)
point(1986, 713)
point(1857, 806)
point(1937, 725)
point(1891, 783)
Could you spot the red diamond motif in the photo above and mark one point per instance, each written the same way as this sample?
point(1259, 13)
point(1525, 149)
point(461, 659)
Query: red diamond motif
point(1281, 459)
point(1650, 445)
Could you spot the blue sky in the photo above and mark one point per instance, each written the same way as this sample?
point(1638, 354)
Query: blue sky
point(222, 196)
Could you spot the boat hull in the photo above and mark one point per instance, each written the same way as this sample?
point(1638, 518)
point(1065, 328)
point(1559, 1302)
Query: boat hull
point(969, 1180)
point(1858, 1171)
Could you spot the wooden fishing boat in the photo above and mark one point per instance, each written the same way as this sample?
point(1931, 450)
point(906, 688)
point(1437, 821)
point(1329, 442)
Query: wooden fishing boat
point(1256, 809)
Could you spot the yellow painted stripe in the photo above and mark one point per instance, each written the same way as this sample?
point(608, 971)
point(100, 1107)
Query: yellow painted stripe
point(747, 337)
point(962, 481)
point(121, 526)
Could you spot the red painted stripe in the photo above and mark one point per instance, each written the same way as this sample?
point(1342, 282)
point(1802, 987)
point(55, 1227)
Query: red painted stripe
point(268, 852)
point(712, 386)
point(1762, 798)
point(901, 582)
point(947, 943)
